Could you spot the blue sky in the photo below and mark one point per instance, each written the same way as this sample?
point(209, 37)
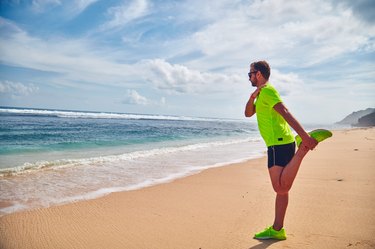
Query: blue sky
point(187, 57)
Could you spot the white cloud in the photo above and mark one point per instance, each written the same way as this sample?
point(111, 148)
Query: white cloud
point(76, 7)
point(175, 78)
point(83, 4)
point(127, 12)
point(69, 9)
point(286, 32)
point(41, 5)
point(132, 97)
point(17, 88)
point(163, 101)
point(287, 84)
point(73, 60)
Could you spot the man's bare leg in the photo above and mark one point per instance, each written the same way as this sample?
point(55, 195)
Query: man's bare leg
point(282, 179)
point(280, 210)
point(290, 171)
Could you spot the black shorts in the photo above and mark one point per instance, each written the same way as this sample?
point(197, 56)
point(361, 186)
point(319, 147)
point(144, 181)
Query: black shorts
point(280, 155)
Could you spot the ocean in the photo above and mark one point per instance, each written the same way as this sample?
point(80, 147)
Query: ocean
point(52, 157)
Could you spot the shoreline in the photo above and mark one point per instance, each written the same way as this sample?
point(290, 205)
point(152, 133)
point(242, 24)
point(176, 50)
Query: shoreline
point(102, 192)
point(93, 177)
point(331, 205)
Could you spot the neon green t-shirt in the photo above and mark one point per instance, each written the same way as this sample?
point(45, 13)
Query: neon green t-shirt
point(272, 126)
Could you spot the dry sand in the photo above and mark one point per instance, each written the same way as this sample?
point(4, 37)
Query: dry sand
point(332, 205)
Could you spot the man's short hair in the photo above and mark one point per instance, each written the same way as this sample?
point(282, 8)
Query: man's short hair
point(263, 67)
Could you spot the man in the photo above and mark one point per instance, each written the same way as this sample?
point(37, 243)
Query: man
point(274, 121)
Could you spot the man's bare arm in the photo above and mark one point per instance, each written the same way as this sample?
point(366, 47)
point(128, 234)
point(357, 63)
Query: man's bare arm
point(284, 112)
point(250, 107)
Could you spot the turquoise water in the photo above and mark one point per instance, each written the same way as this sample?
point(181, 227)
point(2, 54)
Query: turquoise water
point(50, 157)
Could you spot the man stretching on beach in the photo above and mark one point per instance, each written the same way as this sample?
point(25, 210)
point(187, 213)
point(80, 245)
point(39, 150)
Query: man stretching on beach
point(274, 121)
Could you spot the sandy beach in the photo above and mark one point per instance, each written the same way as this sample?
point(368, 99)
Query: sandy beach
point(332, 205)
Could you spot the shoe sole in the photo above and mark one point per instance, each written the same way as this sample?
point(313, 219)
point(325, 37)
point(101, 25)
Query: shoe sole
point(266, 238)
point(318, 134)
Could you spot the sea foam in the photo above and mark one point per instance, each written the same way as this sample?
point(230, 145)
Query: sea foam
point(64, 163)
point(102, 115)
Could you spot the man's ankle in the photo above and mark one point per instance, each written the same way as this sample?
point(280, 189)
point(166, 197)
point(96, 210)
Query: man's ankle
point(277, 227)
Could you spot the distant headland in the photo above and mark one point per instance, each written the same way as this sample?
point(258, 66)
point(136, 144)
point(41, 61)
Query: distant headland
point(362, 118)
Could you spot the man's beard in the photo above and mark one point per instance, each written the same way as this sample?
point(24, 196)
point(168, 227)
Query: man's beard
point(253, 83)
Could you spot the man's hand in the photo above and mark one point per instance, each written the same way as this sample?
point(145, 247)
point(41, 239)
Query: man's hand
point(309, 142)
point(250, 107)
point(256, 92)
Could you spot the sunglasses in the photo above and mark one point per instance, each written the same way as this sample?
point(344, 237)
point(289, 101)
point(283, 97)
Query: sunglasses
point(251, 73)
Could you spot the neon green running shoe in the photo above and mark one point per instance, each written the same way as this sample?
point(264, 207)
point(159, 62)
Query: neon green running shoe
point(270, 233)
point(318, 134)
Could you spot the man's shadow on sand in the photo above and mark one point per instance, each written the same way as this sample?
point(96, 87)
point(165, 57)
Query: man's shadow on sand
point(264, 244)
